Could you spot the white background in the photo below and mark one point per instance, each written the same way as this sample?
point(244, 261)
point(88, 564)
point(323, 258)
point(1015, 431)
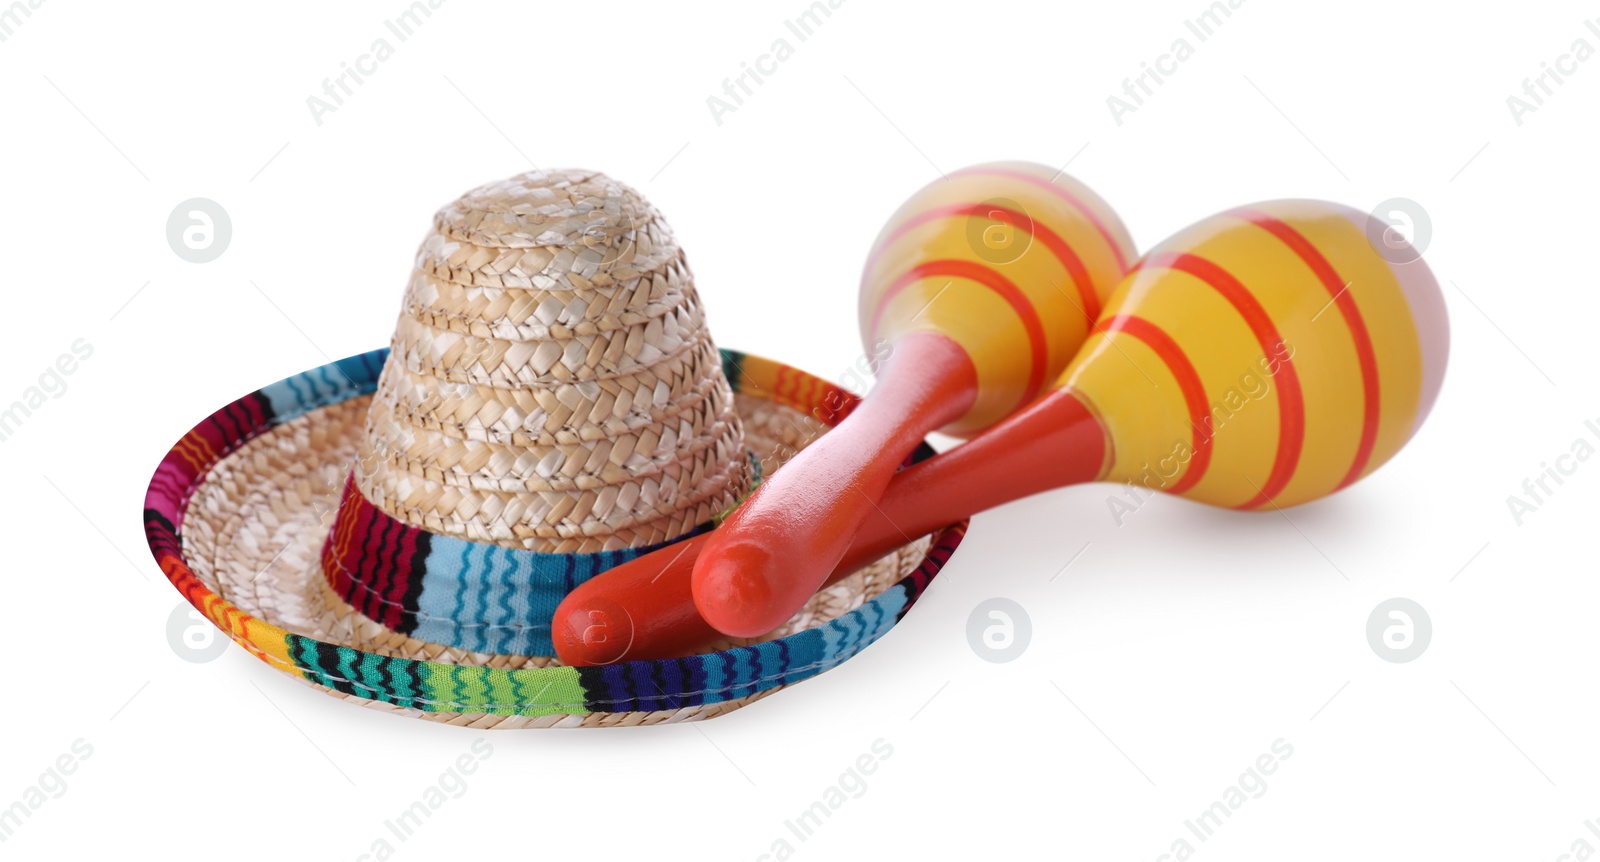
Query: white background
point(1165, 658)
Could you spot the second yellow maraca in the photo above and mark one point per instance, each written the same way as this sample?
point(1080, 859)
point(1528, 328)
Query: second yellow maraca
point(980, 290)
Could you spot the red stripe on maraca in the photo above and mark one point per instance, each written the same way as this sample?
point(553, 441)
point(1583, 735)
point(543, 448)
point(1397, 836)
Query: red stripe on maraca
point(1338, 289)
point(1072, 199)
point(1194, 391)
point(1291, 406)
point(996, 282)
point(1059, 247)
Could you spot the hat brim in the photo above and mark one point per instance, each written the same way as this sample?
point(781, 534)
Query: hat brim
point(236, 513)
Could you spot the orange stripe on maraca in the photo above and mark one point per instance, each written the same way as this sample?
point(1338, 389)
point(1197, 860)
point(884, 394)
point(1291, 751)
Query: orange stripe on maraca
point(1291, 406)
point(1090, 300)
point(1194, 391)
point(1065, 195)
point(1337, 288)
point(995, 282)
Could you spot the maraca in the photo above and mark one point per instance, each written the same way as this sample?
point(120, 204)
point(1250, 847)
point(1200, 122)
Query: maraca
point(980, 289)
point(1263, 357)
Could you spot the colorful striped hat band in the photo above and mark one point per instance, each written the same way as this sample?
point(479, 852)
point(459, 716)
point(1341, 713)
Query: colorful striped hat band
point(476, 596)
point(397, 528)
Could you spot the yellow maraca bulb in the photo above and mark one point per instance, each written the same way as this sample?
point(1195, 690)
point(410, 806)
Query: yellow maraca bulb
point(1265, 356)
point(1011, 260)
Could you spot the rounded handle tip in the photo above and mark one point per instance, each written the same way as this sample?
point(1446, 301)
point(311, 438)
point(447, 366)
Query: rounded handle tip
point(592, 632)
point(740, 590)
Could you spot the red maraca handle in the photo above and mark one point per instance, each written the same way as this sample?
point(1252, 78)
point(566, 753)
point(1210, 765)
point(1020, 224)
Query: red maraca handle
point(745, 581)
point(645, 609)
point(641, 609)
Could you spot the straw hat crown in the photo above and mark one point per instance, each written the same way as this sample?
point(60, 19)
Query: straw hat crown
point(552, 385)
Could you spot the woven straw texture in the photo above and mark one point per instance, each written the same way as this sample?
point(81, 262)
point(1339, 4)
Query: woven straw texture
point(552, 385)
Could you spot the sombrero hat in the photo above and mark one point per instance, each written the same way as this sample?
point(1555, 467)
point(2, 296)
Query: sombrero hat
point(396, 528)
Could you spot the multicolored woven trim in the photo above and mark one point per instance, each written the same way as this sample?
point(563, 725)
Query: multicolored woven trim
point(669, 684)
point(446, 590)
